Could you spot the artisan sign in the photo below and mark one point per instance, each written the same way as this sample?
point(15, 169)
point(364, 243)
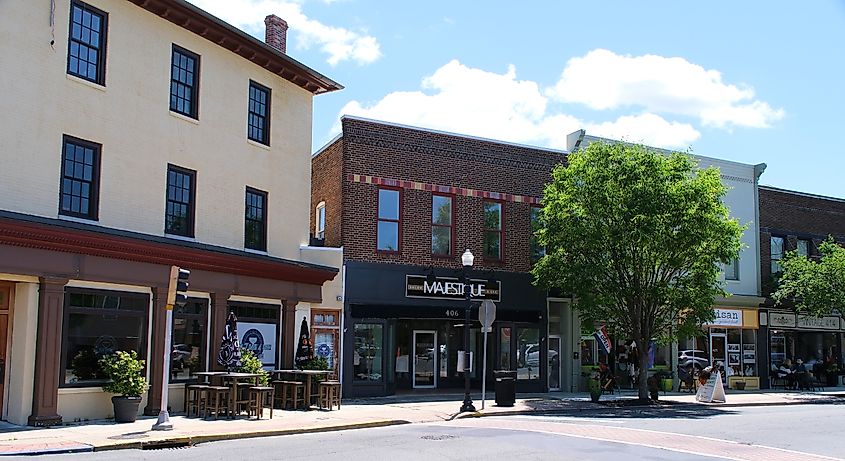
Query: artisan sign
point(418, 286)
point(727, 317)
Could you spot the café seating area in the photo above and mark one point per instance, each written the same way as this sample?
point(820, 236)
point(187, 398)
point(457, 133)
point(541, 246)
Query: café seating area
point(217, 395)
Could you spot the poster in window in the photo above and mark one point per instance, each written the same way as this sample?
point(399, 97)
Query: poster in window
point(324, 347)
point(260, 338)
point(733, 358)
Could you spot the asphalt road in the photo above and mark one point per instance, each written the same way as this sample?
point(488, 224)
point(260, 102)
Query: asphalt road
point(751, 433)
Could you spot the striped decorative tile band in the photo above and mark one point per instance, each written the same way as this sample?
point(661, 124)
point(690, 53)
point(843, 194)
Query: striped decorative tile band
point(365, 179)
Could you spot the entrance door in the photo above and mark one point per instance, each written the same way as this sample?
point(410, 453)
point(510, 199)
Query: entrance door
point(5, 304)
point(718, 348)
point(554, 363)
point(425, 359)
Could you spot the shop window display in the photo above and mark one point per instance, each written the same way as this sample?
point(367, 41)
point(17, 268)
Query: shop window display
point(528, 354)
point(367, 355)
point(189, 339)
point(96, 324)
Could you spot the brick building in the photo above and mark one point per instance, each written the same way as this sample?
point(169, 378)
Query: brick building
point(143, 134)
point(796, 221)
point(405, 203)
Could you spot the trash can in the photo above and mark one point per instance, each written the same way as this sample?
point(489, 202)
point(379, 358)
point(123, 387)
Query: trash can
point(505, 387)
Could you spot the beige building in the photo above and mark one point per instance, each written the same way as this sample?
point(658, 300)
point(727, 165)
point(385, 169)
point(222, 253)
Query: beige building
point(137, 135)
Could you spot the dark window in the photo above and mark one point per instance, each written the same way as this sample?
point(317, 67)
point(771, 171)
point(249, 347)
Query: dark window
point(368, 357)
point(802, 246)
point(732, 270)
point(441, 225)
point(189, 339)
point(388, 220)
point(258, 116)
point(537, 250)
point(776, 246)
point(181, 193)
point(96, 324)
point(184, 82)
point(255, 222)
point(86, 57)
point(79, 189)
point(493, 230)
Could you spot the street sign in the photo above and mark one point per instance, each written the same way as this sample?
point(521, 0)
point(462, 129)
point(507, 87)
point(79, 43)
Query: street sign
point(486, 315)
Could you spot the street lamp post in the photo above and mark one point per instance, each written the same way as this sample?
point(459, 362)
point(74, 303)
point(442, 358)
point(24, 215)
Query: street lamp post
point(467, 259)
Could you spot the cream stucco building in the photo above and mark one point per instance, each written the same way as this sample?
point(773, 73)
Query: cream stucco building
point(136, 135)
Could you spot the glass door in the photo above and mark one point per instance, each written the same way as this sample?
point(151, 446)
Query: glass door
point(554, 363)
point(425, 353)
point(719, 349)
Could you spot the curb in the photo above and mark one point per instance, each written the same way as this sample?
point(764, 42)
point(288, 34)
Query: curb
point(188, 440)
point(78, 448)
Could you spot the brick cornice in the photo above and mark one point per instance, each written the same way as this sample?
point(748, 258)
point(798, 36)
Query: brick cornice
point(70, 240)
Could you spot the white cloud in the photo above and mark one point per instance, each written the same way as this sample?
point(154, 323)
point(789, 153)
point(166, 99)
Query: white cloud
point(604, 80)
point(338, 43)
point(647, 129)
point(476, 102)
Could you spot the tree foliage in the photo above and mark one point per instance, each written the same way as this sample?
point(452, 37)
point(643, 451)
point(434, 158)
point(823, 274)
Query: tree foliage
point(638, 238)
point(815, 288)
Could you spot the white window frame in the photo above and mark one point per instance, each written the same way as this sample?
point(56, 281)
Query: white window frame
point(320, 221)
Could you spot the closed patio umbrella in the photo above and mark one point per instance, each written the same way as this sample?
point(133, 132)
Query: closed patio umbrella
point(230, 348)
point(304, 351)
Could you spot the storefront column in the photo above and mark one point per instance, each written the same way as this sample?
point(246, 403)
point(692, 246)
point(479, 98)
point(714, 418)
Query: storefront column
point(48, 352)
point(289, 327)
point(154, 361)
point(219, 312)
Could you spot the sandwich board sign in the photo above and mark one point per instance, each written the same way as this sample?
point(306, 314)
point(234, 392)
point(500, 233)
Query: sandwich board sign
point(712, 391)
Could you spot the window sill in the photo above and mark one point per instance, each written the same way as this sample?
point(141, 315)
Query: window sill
point(257, 252)
point(257, 144)
point(87, 83)
point(180, 237)
point(184, 117)
point(77, 219)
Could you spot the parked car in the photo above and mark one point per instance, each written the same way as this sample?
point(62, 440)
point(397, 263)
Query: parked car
point(532, 356)
point(697, 358)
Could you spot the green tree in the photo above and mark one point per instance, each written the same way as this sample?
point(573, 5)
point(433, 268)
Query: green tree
point(638, 238)
point(815, 288)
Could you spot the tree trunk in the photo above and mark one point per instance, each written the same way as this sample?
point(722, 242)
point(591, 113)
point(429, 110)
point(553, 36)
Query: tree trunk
point(642, 379)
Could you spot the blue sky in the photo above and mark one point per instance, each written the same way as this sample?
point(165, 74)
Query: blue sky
point(750, 81)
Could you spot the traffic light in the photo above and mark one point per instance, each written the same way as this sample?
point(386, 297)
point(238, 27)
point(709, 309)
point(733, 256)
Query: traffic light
point(178, 291)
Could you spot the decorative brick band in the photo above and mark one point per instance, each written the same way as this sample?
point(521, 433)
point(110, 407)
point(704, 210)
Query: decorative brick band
point(466, 192)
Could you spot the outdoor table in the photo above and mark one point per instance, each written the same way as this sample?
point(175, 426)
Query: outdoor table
point(308, 374)
point(235, 377)
point(207, 375)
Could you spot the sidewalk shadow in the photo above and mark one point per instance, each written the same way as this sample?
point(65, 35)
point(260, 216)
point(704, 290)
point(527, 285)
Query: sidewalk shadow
point(664, 409)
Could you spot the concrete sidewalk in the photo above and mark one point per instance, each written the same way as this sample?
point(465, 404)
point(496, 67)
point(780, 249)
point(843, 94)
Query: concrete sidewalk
point(355, 413)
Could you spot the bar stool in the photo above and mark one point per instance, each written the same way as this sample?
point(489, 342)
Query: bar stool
point(195, 398)
point(258, 397)
point(330, 394)
point(293, 392)
point(217, 401)
point(242, 397)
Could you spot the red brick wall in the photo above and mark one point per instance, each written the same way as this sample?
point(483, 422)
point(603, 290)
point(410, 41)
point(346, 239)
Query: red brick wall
point(400, 153)
point(326, 186)
point(795, 215)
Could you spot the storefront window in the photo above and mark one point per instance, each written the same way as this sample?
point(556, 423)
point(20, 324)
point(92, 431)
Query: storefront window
point(367, 356)
point(99, 323)
point(325, 329)
point(528, 353)
point(258, 329)
point(505, 348)
point(588, 351)
point(189, 339)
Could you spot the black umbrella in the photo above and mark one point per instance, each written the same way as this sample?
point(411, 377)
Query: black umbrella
point(304, 351)
point(230, 348)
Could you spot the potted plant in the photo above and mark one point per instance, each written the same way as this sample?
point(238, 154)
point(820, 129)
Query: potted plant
point(124, 371)
point(594, 386)
point(317, 363)
point(250, 363)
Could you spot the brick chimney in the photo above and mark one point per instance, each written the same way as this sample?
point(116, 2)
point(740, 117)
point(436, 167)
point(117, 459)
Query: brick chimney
point(276, 32)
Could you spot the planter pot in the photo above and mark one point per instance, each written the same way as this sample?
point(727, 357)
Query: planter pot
point(666, 385)
point(125, 409)
point(740, 385)
point(595, 395)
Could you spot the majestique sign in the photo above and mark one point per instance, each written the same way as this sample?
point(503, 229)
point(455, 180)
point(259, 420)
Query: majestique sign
point(418, 286)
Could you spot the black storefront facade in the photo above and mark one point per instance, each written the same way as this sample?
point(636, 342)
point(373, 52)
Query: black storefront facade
point(404, 328)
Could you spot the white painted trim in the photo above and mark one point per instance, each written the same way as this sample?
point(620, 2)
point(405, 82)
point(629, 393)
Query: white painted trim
point(19, 278)
point(256, 300)
point(109, 286)
point(88, 83)
point(183, 117)
point(258, 144)
point(326, 145)
point(311, 248)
